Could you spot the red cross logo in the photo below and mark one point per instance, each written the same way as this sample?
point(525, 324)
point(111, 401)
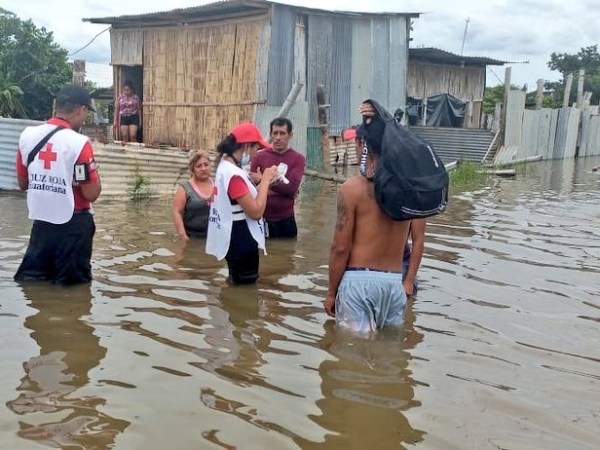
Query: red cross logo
point(48, 156)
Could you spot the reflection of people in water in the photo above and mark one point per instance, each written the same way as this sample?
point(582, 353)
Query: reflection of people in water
point(367, 387)
point(68, 351)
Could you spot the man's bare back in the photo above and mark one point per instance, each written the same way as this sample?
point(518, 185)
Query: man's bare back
point(377, 240)
point(364, 237)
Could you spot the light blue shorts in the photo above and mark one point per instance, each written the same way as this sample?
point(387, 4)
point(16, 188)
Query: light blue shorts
point(367, 300)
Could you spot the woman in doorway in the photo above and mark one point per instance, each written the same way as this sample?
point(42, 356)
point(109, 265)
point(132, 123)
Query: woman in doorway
point(128, 112)
point(235, 227)
point(191, 203)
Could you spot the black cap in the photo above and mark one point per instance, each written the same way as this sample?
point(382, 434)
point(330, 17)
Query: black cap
point(74, 95)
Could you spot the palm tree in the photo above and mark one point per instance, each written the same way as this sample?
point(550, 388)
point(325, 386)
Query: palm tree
point(10, 102)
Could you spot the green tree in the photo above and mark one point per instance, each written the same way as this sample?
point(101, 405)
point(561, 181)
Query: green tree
point(493, 95)
point(588, 59)
point(31, 60)
point(10, 98)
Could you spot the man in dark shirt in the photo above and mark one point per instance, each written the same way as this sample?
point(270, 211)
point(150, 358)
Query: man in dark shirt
point(279, 213)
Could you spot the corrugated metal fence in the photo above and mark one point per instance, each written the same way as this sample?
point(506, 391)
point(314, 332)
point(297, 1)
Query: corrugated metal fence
point(121, 166)
point(10, 130)
point(549, 133)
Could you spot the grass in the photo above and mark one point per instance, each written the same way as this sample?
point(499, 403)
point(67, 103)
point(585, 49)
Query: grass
point(467, 174)
point(140, 187)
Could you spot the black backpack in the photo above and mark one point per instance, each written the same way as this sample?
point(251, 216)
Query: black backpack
point(410, 180)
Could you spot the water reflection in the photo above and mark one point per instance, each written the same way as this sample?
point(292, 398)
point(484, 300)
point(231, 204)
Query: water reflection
point(194, 363)
point(367, 389)
point(53, 413)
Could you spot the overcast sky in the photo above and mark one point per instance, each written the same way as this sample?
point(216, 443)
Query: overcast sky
point(509, 30)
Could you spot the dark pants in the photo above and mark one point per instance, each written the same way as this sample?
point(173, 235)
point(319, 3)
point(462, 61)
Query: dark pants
point(130, 120)
point(285, 228)
point(242, 257)
point(59, 253)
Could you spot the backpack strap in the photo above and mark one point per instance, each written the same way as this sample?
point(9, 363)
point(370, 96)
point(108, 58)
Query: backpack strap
point(40, 144)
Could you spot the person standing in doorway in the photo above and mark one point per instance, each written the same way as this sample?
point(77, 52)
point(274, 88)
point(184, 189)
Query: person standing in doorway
point(279, 213)
point(128, 113)
point(56, 166)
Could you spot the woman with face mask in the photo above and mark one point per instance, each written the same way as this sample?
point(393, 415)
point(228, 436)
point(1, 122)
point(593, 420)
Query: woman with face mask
point(235, 225)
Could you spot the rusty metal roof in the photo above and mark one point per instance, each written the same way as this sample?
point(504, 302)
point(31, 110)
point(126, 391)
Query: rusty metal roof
point(219, 10)
point(435, 55)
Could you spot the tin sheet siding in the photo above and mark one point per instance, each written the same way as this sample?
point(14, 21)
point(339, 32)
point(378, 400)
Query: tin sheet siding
point(281, 55)
point(398, 64)
point(298, 115)
point(380, 48)
point(340, 76)
point(10, 130)
point(361, 67)
point(320, 36)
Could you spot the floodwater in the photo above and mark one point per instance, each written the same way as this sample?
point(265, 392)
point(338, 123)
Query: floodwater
point(500, 350)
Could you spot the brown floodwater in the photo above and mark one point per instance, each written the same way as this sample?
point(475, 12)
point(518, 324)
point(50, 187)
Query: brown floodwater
point(500, 350)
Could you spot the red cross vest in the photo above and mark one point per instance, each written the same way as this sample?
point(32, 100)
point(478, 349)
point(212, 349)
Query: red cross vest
point(50, 191)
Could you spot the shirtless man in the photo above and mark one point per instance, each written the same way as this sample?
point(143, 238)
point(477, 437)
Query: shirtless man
point(365, 268)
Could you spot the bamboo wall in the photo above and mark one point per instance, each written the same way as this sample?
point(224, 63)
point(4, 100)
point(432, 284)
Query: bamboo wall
point(425, 80)
point(200, 80)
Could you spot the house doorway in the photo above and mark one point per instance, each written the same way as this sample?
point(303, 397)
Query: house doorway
point(135, 75)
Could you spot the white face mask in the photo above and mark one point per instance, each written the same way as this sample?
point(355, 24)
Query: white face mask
point(245, 159)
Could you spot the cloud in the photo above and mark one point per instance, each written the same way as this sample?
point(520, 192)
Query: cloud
point(512, 30)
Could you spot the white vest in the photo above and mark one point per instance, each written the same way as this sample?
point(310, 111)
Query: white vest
point(220, 219)
point(50, 192)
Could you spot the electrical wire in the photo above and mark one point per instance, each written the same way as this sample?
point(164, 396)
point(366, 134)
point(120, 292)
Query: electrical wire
point(88, 44)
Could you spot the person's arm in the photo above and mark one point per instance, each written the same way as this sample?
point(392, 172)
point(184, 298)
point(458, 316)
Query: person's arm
point(177, 212)
point(91, 187)
point(256, 168)
point(255, 207)
point(22, 174)
point(116, 113)
point(417, 236)
point(341, 246)
point(139, 101)
point(294, 175)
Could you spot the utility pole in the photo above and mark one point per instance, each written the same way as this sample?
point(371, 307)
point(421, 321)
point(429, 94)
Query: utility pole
point(462, 48)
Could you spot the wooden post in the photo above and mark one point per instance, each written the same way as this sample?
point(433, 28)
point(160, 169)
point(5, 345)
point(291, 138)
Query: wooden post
point(507, 73)
point(580, 81)
point(324, 126)
point(497, 116)
point(79, 72)
point(567, 94)
point(539, 96)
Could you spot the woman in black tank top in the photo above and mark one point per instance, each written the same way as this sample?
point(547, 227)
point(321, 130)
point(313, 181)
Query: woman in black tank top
point(191, 204)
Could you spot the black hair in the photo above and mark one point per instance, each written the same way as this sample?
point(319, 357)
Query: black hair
point(227, 146)
point(129, 84)
point(280, 122)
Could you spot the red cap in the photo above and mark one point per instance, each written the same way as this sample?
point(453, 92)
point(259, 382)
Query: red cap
point(246, 133)
point(348, 134)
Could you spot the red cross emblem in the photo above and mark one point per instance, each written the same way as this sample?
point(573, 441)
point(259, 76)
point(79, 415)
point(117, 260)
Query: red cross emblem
point(48, 156)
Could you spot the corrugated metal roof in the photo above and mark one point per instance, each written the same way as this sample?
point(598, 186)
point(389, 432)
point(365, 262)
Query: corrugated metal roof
point(435, 55)
point(218, 10)
point(10, 130)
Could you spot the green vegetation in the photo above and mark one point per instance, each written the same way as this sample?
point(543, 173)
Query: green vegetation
point(468, 174)
point(588, 58)
point(140, 187)
point(32, 68)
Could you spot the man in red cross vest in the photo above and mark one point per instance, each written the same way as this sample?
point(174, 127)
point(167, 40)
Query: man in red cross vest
point(56, 166)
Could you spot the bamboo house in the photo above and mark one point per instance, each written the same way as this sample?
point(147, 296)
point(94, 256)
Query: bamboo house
point(200, 70)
